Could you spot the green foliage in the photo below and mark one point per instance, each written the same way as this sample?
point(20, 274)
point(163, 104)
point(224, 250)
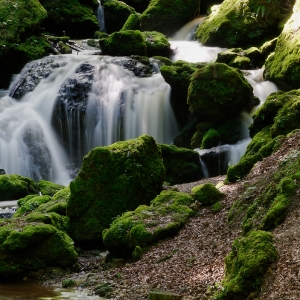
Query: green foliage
point(13, 187)
point(124, 43)
point(218, 92)
point(236, 23)
point(69, 17)
point(246, 264)
point(207, 194)
point(182, 165)
point(167, 16)
point(137, 253)
point(210, 139)
point(68, 283)
point(28, 247)
point(167, 213)
point(113, 179)
point(49, 188)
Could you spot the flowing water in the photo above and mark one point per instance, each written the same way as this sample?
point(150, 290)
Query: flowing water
point(100, 17)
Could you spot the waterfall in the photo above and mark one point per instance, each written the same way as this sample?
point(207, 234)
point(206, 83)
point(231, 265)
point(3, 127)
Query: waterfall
point(100, 17)
point(69, 104)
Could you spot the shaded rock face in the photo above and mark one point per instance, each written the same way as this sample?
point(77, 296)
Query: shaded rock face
point(34, 72)
point(113, 179)
point(140, 66)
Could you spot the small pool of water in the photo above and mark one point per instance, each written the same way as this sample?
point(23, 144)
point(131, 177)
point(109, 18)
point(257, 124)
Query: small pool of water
point(33, 291)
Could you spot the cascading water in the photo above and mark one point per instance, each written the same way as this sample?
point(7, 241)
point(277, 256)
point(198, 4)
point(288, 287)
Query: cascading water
point(100, 17)
point(90, 100)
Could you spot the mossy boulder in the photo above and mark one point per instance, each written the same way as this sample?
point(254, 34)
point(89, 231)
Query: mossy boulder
point(138, 5)
point(178, 76)
point(246, 264)
point(28, 247)
point(14, 187)
point(210, 139)
point(207, 194)
point(132, 23)
point(157, 43)
point(167, 16)
point(201, 130)
point(30, 205)
point(112, 180)
point(124, 43)
point(49, 188)
point(147, 224)
point(243, 167)
point(282, 67)
point(218, 92)
point(116, 14)
point(235, 23)
point(69, 17)
point(185, 135)
point(232, 131)
point(182, 165)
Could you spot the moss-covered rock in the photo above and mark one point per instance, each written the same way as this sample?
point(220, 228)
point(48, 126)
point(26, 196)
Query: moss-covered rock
point(232, 131)
point(31, 246)
point(246, 264)
point(283, 66)
point(124, 43)
point(235, 23)
point(112, 180)
point(132, 23)
point(178, 76)
point(242, 168)
point(185, 135)
point(69, 17)
point(218, 92)
point(157, 43)
point(207, 194)
point(164, 217)
point(201, 130)
point(182, 165)
point(210, 139)
point(116, 14)
point(167, 16)
point(30, 205)
point(266, 114)
point(49, 188)
point(13, 187)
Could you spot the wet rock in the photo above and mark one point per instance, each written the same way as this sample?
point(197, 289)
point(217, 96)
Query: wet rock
point(33, 73)
point(139, 65)
point(164, 296)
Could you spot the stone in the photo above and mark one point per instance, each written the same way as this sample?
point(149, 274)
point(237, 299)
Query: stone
point(164, 296)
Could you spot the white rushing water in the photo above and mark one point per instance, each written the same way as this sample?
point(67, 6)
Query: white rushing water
point(100, 17)
point(120, 106)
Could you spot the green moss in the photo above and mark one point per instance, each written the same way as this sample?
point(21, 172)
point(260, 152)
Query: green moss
point(242, 168)
point(246, 264)
point(112, 180)
point(235, 23)
point(49, 188)
point(207, 194)
point(167, 16)
point(13, 187)
point(268, 47)
point(210, 139)
point(201, 129)
point(68, 283)
point(124, 43)
point(64, 49)
point(231, 132)
point(182, 165)
point(283, 66)
point(266, 114)
point(258, 141)
point(241, 62)
point(132, 23)
point(157, 43)
point(58, 221)
point(69, 17)
point(147, 224)
point(31, 205)
point(183, 139)
point(116, 14)
point(25, 199)
point(56, 39)
point(137, 253)
point(217, 207)
point(218, 92)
